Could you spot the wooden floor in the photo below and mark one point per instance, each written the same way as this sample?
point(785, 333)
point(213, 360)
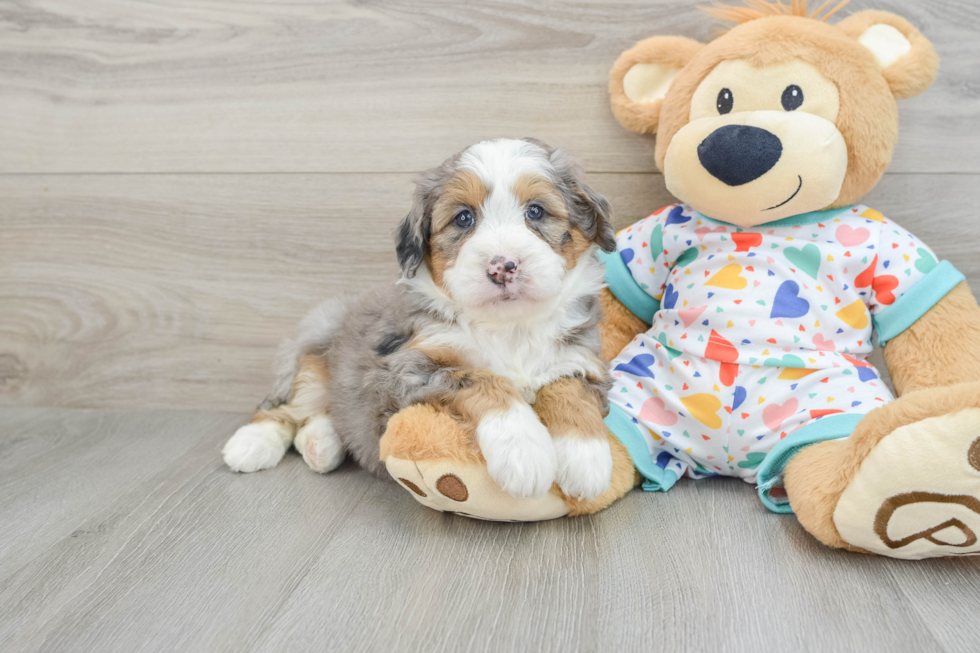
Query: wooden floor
point(180, 180)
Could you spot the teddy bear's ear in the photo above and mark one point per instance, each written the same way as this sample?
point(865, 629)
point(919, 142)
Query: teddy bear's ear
point(906, 58)
point(641, 77)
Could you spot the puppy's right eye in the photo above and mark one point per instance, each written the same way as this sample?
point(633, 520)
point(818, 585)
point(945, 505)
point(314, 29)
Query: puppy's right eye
point(463, 219)
point(725, 101)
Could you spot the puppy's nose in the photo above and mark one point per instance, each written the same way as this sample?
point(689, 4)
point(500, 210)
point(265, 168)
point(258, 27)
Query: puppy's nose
point(502, 270)
point(738, 154)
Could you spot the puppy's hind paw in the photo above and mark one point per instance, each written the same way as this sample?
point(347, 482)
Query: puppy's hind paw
point(320, 445)
point(255, 446)
point(519, 453)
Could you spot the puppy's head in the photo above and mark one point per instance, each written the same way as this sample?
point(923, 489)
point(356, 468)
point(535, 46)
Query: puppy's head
point(502, 224)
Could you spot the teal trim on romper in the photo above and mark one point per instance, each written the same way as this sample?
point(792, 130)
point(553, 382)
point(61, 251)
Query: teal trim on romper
point(916, 301)
point(624, 286)
point(658, 478)
point(813, 217)
point(770, 474)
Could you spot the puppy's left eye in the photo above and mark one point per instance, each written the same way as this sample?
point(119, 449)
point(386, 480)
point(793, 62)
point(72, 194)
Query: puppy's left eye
point(792, 97)
point(464, 219)
point(534, 212)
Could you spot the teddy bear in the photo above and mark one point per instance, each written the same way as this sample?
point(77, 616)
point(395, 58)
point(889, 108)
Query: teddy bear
point(738, 322)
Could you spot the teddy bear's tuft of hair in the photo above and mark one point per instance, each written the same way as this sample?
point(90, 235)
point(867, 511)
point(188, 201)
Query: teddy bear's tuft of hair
point(755, 9)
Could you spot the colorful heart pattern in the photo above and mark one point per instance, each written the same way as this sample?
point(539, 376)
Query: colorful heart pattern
point(759, 331)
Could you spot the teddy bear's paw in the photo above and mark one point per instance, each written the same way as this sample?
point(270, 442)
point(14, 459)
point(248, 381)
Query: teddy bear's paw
point(255, 446)
point(320, 445)
point(584, 466)
point(466, 489)
point(519, 452)
point(917, 493)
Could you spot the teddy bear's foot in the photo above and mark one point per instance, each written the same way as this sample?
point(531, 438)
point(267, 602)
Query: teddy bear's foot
point(438, 462)
point(431, 456)
point(906, 484)
point(468, 490)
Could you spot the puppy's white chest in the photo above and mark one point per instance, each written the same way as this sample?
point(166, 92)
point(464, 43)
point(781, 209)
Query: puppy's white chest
point(529, 363)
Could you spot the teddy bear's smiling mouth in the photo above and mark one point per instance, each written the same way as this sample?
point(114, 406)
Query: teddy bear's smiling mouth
point(795, 193)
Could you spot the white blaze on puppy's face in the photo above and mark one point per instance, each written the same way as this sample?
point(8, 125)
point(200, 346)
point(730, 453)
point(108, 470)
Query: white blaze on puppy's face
point(504, 261)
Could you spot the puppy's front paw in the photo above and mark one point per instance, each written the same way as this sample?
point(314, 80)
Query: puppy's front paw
point(255, 446)
point(584, 466)
point(519, 452)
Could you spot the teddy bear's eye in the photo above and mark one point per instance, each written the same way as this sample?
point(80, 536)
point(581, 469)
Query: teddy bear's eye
point(725, 101)
point(792, 97)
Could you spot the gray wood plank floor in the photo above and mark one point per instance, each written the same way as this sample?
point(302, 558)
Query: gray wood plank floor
point(181, 180)
point(128, 545)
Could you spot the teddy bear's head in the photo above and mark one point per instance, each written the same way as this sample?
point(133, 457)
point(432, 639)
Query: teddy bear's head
point(783, 114)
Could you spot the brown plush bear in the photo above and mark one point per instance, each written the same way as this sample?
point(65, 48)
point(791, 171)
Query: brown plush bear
point(738, 322)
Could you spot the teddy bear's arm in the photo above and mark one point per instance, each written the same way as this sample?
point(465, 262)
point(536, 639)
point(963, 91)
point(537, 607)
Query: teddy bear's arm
point(941, 348)
point(618, 327)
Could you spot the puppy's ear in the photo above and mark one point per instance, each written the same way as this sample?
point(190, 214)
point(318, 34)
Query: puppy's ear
point(641, 77)
point(412, 236)
point(906, 59)
point(599, 221)
point(587, 210)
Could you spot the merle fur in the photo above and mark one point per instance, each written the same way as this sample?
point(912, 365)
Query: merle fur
point(362, 340)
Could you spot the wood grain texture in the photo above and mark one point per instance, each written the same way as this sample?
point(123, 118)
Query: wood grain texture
point(196, 558)
point(229, 86)
point(181, 180)
point(173, 291)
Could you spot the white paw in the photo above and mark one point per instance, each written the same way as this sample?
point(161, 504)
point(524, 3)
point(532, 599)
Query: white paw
point(255, 446)
point(320, 445)
point(584, 466)
point(519, 453)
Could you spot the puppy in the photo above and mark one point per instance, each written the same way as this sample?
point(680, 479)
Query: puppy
point(494, 321)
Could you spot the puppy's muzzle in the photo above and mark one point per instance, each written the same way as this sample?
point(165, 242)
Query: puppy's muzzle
point(502, 270)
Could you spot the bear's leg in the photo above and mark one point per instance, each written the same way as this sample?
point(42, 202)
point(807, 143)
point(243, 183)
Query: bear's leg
point(905, 484)
point(437, 460)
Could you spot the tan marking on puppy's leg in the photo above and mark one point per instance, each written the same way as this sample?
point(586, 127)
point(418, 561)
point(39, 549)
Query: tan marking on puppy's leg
point(519, 453)
point(516, 445)
point(571, 408)
point(307, 398)
point(262, 443)
point(483, 393)
point(572, 411)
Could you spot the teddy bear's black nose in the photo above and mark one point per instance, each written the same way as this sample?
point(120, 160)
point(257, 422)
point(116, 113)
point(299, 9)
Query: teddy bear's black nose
point(738, 154)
